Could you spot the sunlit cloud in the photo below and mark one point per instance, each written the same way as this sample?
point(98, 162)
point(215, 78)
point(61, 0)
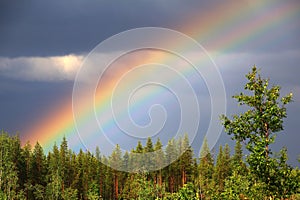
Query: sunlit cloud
point(56, 68)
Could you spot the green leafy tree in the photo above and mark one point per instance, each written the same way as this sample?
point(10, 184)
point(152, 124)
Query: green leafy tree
point(93, 192)
point(239, 186)
point(187, 192)
point(258, 126)
point(39, 192)
point(65, 175)
point(138, 187)
point(70, 194)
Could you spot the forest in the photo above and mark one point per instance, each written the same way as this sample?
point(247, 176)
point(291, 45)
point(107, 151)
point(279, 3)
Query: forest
point(26, 172)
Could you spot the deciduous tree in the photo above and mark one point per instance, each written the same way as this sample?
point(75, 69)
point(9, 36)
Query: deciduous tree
point(257, 127)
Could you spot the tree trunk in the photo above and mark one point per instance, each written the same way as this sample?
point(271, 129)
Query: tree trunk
point(116, 187)
point(160, 179)
point(101, 186)
point(171, 184)
point(183, 177)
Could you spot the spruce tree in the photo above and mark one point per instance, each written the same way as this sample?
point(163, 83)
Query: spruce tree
point(159, 162)
point(206, 169)
point(54, 183)
point(171, 169)
point(116, 163)
point(238, 163)
point(148, 156)
point(27, 167)
point(8, 169)
point(186, 160)
point(38, 170)
point(64, 164)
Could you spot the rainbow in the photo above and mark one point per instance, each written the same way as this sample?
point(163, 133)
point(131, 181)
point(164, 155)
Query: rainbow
point(227, 28)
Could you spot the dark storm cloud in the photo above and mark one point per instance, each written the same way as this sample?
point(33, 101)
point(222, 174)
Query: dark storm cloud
point(44, 28)
point(54, 27)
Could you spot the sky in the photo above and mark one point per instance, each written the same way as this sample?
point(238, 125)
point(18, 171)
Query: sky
point(45, 45)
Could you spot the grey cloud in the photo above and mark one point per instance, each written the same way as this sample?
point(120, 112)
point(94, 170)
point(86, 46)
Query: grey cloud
point(43, 28)
point(50, 28)
point(41, 68)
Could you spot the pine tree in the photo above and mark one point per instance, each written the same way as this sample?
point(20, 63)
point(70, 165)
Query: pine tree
point(18, 160)
point(139, 148)
point(90, 177)
point(148, 156)
point(107, 179)
point(80, 179)
point(8, 169)
point(99, 171)
point(223, 167)
point(237, 159)
point(186, 160)
point(55, 182)
point(38, 170)
point(219, 169)
point(138, 158)
point(27, 167)
point(64, 164)
point(228, 161)
point(159, 162)
point(126, 161)
point(206, 169)
point(73, 169)
point(116, 163)
point(171, 169)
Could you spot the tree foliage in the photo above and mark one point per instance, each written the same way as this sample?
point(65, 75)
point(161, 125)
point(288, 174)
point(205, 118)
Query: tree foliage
point(27, 173)
point(257, 128)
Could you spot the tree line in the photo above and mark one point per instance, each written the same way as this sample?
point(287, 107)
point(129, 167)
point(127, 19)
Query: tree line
point(26, 172)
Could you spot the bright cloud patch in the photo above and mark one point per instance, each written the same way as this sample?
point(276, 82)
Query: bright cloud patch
point(55, 68)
